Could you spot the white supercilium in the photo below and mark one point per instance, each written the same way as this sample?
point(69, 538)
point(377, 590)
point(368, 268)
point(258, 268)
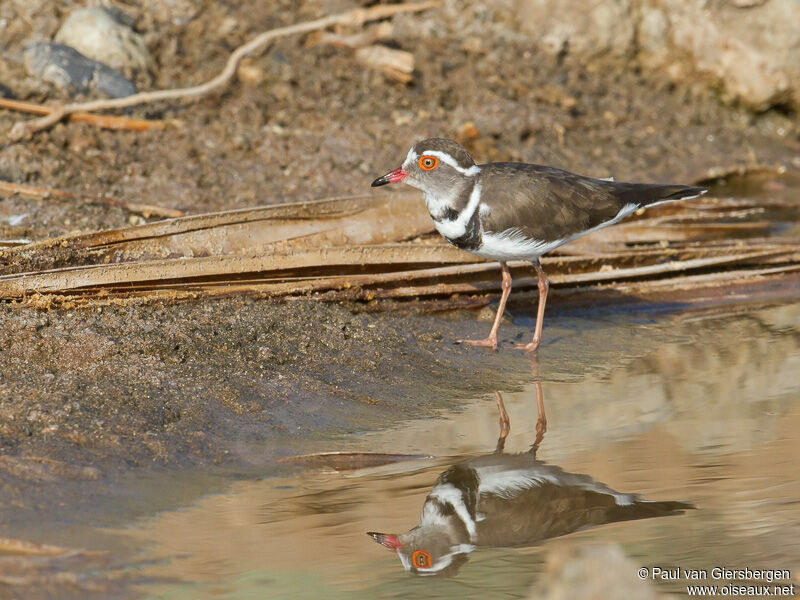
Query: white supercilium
point(412, 157)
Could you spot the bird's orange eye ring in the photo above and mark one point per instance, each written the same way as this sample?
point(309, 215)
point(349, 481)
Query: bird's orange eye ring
point(421, 558)
point(428, 163)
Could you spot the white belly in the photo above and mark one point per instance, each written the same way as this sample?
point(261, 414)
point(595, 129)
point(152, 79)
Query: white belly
point(513, 245)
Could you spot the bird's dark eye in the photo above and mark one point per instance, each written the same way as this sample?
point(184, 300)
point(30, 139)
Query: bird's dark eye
point(428, 163)
point(421, 558)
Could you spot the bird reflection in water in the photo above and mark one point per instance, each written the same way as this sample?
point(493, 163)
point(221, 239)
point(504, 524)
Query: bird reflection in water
point(504, 500)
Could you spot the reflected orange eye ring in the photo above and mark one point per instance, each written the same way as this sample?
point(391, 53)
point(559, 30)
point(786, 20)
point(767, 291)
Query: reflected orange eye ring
point(428, 163)
point(421, 559)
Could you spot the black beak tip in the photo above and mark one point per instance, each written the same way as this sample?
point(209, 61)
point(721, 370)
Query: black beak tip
point(380, 181)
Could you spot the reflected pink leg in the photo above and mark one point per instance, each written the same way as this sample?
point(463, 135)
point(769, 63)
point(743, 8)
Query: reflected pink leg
point(541, 421)
point(505, 424)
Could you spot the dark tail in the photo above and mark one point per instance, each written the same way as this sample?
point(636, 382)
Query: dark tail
point(646, 509)
point(647, 194)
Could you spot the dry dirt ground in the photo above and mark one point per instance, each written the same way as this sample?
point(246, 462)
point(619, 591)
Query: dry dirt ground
point(201, 383)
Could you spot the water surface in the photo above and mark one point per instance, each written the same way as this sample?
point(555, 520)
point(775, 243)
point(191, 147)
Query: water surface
point(698, 407)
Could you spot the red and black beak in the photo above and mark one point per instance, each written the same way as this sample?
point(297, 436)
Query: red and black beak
point(397, 175)
point(386, 539)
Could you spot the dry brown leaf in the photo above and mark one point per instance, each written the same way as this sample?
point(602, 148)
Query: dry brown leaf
point(26, 548)
point(352, 248)
point(348, 461)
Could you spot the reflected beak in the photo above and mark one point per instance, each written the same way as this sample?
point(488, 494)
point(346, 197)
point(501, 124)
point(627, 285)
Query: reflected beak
point(386, 539)
point(393, 177)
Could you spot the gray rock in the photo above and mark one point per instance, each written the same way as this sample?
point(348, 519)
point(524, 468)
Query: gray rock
point(102, 35)
point(592, 572)
point(749, 49)
point(653, 35)
point(587, 29)
point(68, 68)
point(753, 51)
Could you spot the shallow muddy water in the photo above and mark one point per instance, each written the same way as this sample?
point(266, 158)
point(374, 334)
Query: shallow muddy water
point(700, 408)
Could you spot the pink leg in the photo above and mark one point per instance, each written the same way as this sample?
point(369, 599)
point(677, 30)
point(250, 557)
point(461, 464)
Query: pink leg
point(544, 285)
point(491, 341)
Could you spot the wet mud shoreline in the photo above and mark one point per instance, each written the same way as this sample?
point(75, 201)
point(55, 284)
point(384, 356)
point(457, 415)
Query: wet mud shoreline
point(108, 398)
point(233, 382)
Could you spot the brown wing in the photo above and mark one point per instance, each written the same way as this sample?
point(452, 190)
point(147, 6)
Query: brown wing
point(522, 501)
point(553, 204)
point(549, 511)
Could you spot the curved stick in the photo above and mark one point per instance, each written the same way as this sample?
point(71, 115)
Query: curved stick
point(354, 17)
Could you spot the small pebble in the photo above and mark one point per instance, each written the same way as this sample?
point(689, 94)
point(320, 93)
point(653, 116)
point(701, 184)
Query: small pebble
point(68, 68)
point(488, 313)
point(249, 72)
point(6, 92)
point(99, 34)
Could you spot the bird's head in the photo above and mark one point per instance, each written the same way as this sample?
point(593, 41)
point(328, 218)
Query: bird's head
point(426, 550)
point(436, 166)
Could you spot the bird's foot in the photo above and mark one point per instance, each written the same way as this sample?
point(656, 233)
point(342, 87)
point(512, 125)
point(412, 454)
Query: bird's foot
point(529, 347)
point(489, 342)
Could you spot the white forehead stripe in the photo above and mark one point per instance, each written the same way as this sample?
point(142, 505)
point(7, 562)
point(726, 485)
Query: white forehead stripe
point(412, 157)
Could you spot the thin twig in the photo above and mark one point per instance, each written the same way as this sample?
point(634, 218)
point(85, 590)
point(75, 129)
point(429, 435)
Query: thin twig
point(354, 17)
point(29, 191)
point(103, 121)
